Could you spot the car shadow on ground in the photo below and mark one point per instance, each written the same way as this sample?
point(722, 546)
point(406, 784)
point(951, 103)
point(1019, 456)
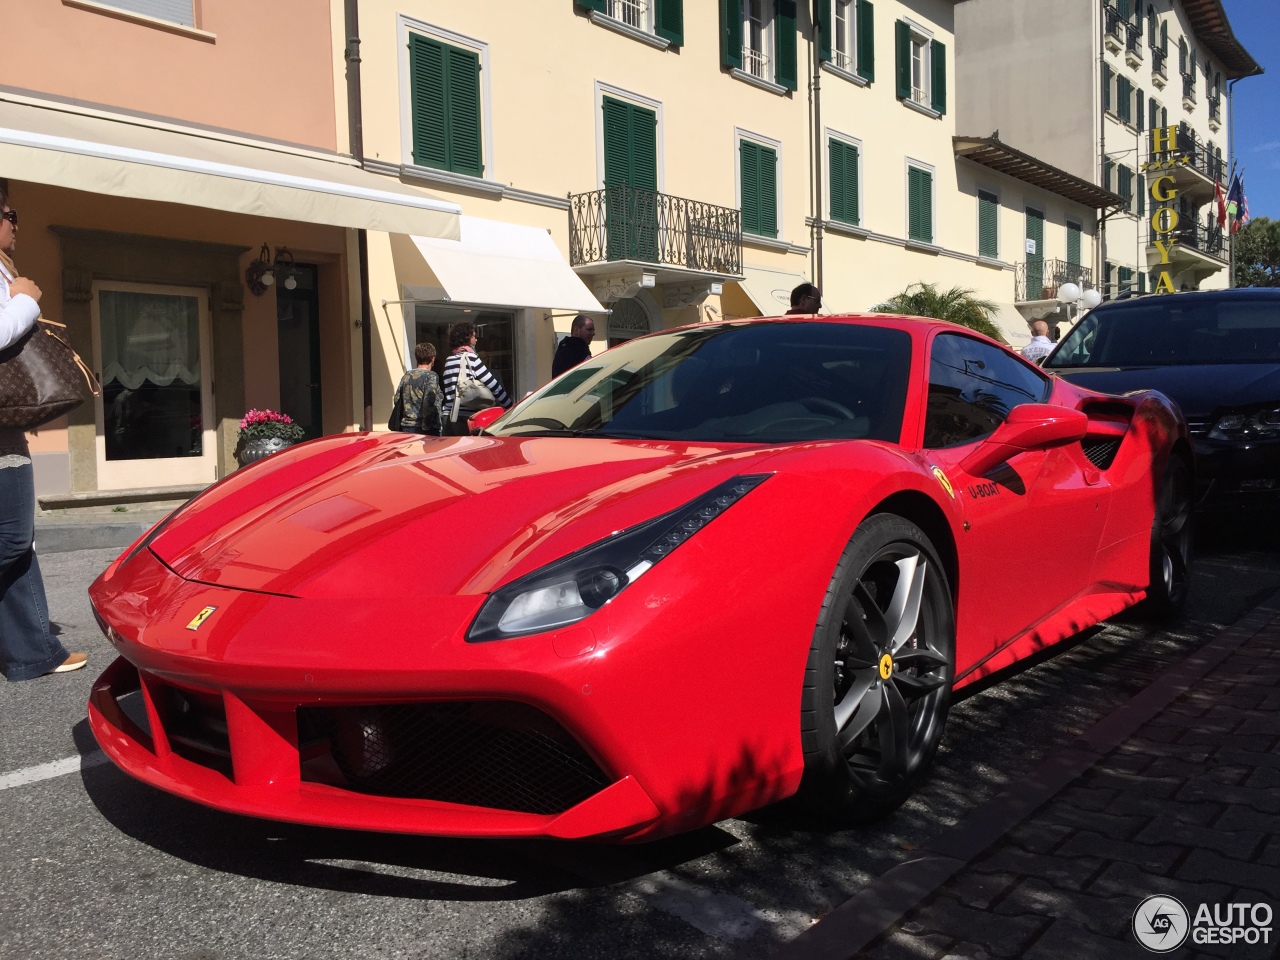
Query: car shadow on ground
point(599, 900)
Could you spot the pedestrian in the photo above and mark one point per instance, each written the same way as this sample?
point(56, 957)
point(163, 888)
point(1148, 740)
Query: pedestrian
point(576, 347)
point(805, 298)
point(27, 646)
point(481, 389)
point(419, 403)
point(1040, 346)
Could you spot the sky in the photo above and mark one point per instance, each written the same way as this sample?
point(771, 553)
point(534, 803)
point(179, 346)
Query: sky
point(1256, 24)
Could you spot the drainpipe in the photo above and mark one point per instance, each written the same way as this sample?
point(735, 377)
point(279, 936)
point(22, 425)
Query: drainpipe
point(1100, 245)
point(355, 123)
point(815, 168)
point(1231, 162)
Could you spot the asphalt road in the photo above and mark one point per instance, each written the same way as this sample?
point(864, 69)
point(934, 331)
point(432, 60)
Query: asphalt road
point(99, 866)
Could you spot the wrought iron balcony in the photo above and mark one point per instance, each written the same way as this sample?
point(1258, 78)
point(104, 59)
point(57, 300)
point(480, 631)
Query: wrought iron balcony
point(627, 223)
point(1159, 57)
point(1215, 109)
point(1208, 238)
point(1114, 25)
point(1189, 87)
point(1133, 42)
point(1200, 155)
point(1040, 279)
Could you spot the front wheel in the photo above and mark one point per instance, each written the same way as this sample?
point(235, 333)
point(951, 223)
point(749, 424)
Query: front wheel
point(1171, 543)
point(878, 680)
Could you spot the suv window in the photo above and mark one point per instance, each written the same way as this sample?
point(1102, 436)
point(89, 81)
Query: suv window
point(1163, 331)
point(972, 387)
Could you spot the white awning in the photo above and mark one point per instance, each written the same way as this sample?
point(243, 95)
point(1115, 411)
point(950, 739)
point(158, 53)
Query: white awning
point(770, 290)
point(119, 156)
point(497, 264)
point(1012, 325)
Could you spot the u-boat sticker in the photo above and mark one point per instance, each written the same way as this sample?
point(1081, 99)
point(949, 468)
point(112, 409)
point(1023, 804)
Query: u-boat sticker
point(200, 618)
point(946, 484)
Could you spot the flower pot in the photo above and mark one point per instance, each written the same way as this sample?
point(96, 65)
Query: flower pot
point(248, 451)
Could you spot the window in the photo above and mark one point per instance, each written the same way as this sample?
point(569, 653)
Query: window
point(1107, 166)
point(758, 169)
point(630, 141)
point(1182, 57)
point(174, 11)
point(972, 388)
point(1151, 27)
point(1153, 110)
point(1125, 186)
point(663, 18)
point(1126, 279)
point(1124, 99)
point(444, 92)
point(847, 41)
point(757, 20)
point(844, 32)
point(1106, 87)
point(919, 204)
point(758, 38)
point(1074, 231)
point(1139, 114)
point(922, 68)
point(844, 160)
point(1141, 194)
point(988, 225)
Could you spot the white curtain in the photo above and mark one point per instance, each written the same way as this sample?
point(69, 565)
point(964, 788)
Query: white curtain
point(149, 336)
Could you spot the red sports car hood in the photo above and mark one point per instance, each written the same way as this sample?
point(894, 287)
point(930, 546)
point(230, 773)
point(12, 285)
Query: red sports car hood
point(392, 516)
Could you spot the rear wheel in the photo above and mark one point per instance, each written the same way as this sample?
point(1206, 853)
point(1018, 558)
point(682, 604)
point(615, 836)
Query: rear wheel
point(1171, 542)
point(878, 681)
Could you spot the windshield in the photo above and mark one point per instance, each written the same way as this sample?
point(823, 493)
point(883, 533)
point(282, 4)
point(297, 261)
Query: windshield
point(1171, 330)
point(756, 383)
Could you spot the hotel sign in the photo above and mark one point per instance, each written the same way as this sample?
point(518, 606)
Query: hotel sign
point(1164, 215)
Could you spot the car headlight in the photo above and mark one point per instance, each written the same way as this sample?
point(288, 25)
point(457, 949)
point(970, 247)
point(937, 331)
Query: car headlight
point(1259, 425)
point(576, 586)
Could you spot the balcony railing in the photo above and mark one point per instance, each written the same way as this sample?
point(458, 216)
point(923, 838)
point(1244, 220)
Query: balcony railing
point(1207, 238)
point(1189, 87)
point(1133, 42)
point(1159, 57)
point(630, 12)
point(627, 223)
point(755, 63)
point(1114, 24)
point(1215, 109)
point(1198, 153)
point(1040, 279)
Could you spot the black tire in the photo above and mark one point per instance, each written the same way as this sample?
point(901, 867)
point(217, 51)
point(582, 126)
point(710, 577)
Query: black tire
point(1171, 535)
point(868, 740)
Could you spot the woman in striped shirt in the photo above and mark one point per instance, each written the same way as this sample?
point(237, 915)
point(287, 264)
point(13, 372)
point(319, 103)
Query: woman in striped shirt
point(462, 346)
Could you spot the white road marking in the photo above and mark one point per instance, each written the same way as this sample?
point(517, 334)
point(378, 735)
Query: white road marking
point(55, 768)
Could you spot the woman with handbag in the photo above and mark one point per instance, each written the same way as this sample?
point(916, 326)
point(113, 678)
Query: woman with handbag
point(467, 389)
point(27, 647)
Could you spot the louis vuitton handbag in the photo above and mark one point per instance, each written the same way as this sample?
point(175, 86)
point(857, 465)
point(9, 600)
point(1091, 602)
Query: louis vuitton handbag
point(41, 377)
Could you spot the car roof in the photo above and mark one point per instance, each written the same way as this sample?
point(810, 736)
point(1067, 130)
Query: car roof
point(915, 325)
point(1194, 296)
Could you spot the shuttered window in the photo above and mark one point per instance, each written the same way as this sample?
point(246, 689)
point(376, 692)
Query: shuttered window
point(843, 163)
point(988, 225)
point(921, 68)
point(1125, 186)
point(1126, 279)
point(847, 36)
point(174, 11)
point(1124, 98)
point(758, 167)
point(1073, 243)
point(786, 62)
point(919, 205)
point(1106, 86)
point(444, 90)
point(1142, 195)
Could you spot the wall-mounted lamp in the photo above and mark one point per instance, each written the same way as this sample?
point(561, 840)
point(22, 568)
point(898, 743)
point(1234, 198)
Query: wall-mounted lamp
point(263, 271)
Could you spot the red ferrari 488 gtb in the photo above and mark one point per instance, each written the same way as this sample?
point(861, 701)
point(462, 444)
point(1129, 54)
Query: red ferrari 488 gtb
point(707, 570)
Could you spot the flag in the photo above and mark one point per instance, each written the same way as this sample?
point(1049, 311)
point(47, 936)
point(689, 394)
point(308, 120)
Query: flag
point(1244, 207)
point(1221, 201)
point(1235, 199)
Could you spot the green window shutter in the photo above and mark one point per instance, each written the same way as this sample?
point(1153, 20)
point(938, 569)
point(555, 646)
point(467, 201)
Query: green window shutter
point(749, 154)
point(1125, 183)
point(1182, 57)
point(1073, 243)
point(938, 56)
point(866, 41)
point(427, 102)
point(784, 44)
point(644, 148)
point(597, 5)
point(1107, 164)
point(851, 208)
point(826, 23)
point(731, 33)
point(1142, 195)
point(463, 77)
point(1142, 281)
point(1164, 116)
point(902, 38)
point(926, 199)
point(988, 221)
point(835, 165)
point(1124, 97)
point(1124, 8)
point(768, 192)
point(1126, 279)
point(669, 21)
point(920, 205)
point(1140, 114)
point(1106, 87)
point(617, 143)
point(844, 181)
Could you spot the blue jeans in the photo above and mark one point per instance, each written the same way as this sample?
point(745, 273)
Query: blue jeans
point(27, 648)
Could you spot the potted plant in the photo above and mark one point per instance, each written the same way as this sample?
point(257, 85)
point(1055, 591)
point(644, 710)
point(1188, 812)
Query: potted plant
point(264, 432)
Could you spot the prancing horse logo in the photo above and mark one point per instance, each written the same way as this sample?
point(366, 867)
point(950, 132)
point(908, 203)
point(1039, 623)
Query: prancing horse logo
point(200, 618)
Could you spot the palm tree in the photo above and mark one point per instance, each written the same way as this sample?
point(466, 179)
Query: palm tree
point(957, 305)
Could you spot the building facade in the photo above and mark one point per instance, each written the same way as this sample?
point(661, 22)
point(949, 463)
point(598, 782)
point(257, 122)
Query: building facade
point(1130, 94)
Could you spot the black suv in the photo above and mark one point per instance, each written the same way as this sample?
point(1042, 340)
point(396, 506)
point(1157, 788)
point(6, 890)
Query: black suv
point(1217, 353)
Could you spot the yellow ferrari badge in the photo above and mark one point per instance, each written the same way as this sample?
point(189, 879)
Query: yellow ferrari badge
point(946, 484)
point(200, 618)
point(886, 667)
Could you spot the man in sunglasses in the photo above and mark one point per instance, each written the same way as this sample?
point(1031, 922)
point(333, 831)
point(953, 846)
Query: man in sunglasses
point(27, 648)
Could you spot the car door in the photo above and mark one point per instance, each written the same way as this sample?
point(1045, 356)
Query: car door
point(1033, 524)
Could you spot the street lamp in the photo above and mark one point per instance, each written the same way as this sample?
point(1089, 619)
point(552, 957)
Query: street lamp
point(1073, 296)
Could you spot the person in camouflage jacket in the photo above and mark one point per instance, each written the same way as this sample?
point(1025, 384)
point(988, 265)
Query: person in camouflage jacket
point(419, 399)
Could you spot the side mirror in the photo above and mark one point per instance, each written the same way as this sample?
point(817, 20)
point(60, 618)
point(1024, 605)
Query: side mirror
point(485, 418)
point(1029, 426)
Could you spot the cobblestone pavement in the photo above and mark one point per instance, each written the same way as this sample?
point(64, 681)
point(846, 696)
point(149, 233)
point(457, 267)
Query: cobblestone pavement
point(1186, 806)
